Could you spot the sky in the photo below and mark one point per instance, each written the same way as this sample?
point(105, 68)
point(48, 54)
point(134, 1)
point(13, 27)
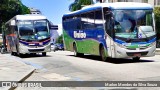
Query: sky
point(52, 9)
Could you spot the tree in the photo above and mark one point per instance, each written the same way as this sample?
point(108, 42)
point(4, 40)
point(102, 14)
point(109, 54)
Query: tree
point(157, 18)
point(10, 8)
point(60, 39)
point(78, 4)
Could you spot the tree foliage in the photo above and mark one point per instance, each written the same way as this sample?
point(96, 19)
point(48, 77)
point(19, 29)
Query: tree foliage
point(60, 39)
point(78, 4)
point(10, 8)
point(157, 18)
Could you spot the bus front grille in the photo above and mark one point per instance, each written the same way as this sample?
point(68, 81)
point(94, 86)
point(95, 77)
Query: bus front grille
point(35, 46)
point(142, 48)
point(133, 53)
point(35, 50)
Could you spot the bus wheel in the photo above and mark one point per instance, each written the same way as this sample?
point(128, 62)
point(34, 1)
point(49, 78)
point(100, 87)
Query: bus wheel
point(75, 51)
point(21, 55)
point(33, 54)
point(13, 53)
point(102, 54)
point(136, 58)
point(44, 53)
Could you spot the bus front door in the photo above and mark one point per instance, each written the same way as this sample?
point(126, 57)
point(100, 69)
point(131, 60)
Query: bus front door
point(110, 46)
point(109, 26)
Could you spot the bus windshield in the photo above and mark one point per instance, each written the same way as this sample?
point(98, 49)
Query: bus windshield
point(33, 30)
point(26, 30)
point(41, 29)
point(129, 23)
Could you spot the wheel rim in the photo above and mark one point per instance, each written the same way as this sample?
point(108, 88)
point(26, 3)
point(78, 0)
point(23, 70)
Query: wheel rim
point(103, 57)
point(74, 50)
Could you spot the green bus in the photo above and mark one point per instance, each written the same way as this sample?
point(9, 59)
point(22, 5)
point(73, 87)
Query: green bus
point(116, 30)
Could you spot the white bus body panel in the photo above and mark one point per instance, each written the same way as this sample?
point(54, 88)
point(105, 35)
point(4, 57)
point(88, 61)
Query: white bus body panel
point(25, 49)
point(122, 52)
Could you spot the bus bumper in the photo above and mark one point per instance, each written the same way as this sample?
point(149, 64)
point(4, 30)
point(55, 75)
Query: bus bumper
point(25, 49)
point(126, 53)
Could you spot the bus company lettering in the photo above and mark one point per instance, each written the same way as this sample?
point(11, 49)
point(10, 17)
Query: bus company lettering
point(79, 34)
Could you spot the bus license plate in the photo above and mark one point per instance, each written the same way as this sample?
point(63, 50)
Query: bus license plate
point(137, 54)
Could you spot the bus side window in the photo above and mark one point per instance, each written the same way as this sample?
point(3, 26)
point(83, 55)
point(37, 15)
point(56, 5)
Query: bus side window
point(109, 24)
point(91, 22)
point(69, 23)
point(84, 20)
point(98, 19)
point(66, 23)
point(77, 22)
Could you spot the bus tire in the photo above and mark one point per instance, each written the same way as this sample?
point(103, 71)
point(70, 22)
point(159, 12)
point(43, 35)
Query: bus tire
point(102, 53)
point(34, 54)
point(17, 50)
point(76, 54)
point(136, 58)
point(21, 55)
point(44, 53)
point(12, 53)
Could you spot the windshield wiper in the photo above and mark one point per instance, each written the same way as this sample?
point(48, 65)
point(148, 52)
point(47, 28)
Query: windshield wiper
point(28, 36)
point(129, 38)
point(146, 39)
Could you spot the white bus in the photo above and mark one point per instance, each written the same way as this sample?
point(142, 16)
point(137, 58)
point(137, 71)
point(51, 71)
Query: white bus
point(117, 30)
point(26, 34)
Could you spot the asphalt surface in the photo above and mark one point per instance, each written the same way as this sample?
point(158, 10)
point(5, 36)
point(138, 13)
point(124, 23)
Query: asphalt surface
point(63, 66)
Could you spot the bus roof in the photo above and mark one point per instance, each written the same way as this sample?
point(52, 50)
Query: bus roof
point(29, 17)
point(116, 5)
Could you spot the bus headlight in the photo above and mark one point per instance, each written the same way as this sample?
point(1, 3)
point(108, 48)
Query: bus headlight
point(20, 44)
point(152, 44)
point(41, 43)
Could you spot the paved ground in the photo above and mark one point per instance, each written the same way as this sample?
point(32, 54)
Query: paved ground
point(63, 66)
point(13, 70)
point(158, 51)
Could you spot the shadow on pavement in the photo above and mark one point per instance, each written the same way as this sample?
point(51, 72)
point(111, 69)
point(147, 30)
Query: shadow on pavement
point(32, 55)
point(114, 60)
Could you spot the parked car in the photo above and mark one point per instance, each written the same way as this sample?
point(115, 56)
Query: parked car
point(2, 49)
point(57, 46)
point(53, 46)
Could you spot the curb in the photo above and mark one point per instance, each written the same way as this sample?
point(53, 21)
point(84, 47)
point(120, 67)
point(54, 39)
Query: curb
point(23, 79)
point(158, 51)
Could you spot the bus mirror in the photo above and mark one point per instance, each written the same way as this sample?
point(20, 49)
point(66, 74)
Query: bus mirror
point(54, 27)
point(13, 23)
